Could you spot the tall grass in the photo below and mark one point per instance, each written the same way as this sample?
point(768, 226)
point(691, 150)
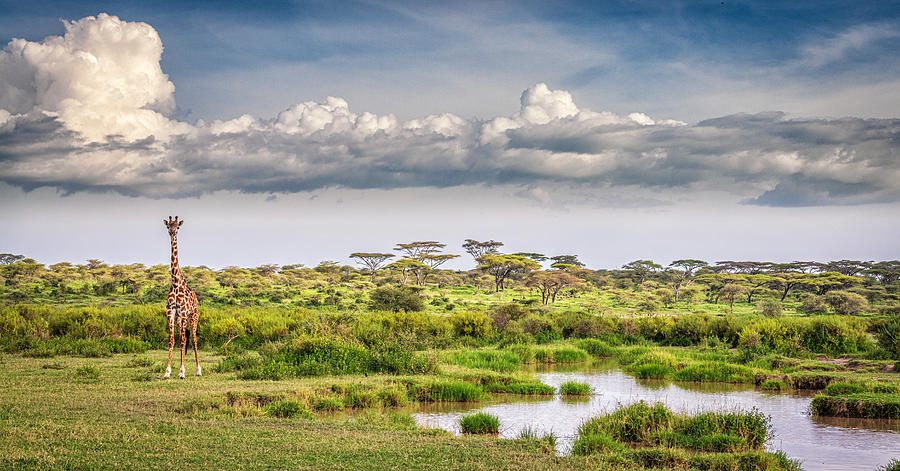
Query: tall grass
point(641, 424)
point(479, 423)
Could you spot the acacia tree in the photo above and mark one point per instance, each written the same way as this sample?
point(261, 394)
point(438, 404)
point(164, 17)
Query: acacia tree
point(477, 249)
point(550, 283)
point(426, 252)
point(406, 266)
point(567, 260)
point(502, 266)
point(432, 261)
point(731, 292)
point(372, 260)
point(641, 269)
point(685, 269)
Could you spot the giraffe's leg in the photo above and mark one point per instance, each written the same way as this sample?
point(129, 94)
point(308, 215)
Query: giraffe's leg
point(194, 320)
point(183, 325)
point(170, 314)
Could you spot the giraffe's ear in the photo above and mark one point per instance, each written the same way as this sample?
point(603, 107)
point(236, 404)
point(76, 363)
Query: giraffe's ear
point(165, 223)
point(180, 223)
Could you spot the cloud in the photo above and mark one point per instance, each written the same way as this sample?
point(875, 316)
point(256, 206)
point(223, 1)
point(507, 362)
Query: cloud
point(88, 111)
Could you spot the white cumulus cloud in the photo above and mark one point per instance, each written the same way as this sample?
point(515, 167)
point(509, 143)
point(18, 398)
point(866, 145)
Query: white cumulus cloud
point(89, 111)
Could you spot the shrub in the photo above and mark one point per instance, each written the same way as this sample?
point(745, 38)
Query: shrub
point(572, 388)
point(770, 307)
point(472, 323)
point(813, 304)
point(391, 298)
point(479, 423)
point(888, 336)
point(846, 303)
point(892, 465)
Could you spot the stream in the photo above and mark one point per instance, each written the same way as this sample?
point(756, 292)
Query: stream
point(821, 443)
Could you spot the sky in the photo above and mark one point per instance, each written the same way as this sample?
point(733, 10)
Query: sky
point(296, 132)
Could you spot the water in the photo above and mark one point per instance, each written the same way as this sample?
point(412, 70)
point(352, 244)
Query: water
point(821, 443)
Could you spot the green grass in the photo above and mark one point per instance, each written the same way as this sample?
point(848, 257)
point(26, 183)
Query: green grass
point(479, 423)
point(572, 388)
point(653, 436)
point(863, 405)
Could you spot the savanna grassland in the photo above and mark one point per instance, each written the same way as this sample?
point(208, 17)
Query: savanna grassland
point(320, 368)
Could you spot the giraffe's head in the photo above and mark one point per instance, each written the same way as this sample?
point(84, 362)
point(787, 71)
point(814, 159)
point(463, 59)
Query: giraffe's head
point(172, 225)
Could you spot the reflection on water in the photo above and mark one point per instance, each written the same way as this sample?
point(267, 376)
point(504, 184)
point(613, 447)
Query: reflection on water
point(825, 443)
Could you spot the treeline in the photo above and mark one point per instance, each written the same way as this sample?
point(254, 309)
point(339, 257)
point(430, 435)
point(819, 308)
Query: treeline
point(845, 286)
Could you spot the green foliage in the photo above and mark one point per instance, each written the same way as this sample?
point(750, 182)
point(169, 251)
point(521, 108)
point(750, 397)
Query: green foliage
point(770, 307)
point(471, 323)
point(892, 465)
point(813, 304)
point(391, 298)
point(479, 423)
point(846, 302)
point(573, 388)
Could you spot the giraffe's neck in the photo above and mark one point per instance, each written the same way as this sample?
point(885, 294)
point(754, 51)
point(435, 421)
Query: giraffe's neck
point(177, 278)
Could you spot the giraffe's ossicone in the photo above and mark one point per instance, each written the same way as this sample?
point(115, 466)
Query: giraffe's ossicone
point(181, 304)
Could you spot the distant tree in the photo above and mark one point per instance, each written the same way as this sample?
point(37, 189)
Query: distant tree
point(502, 266)
point(266, 270)
point(566, 260)
point(887, 272)
point(537, 257)
point(415, 249)
point(743, 267)
point(477, 249)
point(732, 292)
point(641, 269)
point(432, 261)
point(372, 260)
point(406, 266)
point(9, 259)
point(685, 269)
point(847, 267)
point(665, 295)
point(550, 283)
point(94, 264)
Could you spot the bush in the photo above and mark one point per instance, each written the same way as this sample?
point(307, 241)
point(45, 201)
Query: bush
point(888, 336)
point(472, 323)
point(770, 307)
point(846, 303)
point(813, 304)
point(572, 388)
point(391, 298)
point(479, 423)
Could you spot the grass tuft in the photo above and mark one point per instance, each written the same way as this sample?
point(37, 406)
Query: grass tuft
point(573, 388)
point(479, 423)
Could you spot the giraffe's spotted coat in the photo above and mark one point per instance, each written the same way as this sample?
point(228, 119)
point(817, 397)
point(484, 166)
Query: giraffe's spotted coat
point(181, 304)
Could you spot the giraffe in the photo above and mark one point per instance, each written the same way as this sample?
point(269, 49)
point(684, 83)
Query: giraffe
point(181, 304)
